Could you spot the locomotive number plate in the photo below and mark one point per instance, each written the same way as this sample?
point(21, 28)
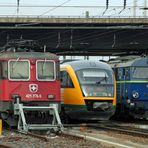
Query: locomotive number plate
point(33, 96)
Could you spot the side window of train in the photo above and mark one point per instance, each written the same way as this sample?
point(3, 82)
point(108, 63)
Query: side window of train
point(66, 81)
point(123, 73)
point(127, 73)
point(3, 70)
point(119, 75)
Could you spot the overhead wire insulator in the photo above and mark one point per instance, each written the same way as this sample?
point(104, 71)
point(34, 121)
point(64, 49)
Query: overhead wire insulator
point(107, 4)
point(124, 4)
point(18, 4)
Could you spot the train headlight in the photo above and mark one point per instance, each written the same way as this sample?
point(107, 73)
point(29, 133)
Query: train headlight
point(50, 96)
point(132, 104)
point(128, 100)
point(135, 94)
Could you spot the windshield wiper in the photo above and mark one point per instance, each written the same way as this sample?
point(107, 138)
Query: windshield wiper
point(13, 66)
point(43, 66)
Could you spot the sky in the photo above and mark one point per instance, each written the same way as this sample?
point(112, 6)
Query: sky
point(51, 8)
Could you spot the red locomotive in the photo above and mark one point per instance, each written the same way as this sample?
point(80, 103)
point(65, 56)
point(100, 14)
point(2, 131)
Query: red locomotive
point(29, 88)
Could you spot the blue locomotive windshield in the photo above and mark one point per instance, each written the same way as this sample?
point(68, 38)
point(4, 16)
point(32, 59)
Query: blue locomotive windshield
point(96, 82)
point(140, 72)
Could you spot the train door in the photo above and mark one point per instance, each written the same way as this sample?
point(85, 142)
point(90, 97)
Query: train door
point(122, 76)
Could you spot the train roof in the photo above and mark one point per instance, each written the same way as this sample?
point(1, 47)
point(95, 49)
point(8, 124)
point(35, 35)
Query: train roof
point(40, 55)
point(129, 61)
point(81, 64)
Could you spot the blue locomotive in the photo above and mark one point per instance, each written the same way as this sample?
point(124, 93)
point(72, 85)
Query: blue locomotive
point(132, 86)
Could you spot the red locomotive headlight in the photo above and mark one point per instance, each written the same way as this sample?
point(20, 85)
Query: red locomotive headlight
point(51, 96)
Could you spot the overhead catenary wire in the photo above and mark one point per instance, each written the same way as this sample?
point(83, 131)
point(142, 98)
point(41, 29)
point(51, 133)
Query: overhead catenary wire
point(85, 37)
point(63, 3)
point(62, 6)
point(68, 31)
point(79, 38)
point(125, 6)
point(91, 38)
point(96, 36)
point(72, 6)
point(88, 36)
point(69, 6)
point(55, 7)
point(101, 35)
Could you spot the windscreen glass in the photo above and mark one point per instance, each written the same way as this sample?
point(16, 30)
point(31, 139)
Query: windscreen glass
point(96, 82)
point(19, 70)
point(140, 72)
point(45, 70)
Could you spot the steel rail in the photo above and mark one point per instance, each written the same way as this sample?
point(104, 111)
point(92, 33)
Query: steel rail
point(4, 146)
point(123, 129)
point(135, 131)
point(38, 136)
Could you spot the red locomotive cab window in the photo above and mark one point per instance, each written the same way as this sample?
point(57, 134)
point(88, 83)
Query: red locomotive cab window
point(19, 70)
point(45, 70)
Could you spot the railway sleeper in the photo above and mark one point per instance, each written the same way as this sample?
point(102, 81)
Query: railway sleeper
point(37, 117)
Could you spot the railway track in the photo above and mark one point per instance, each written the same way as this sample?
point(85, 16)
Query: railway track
point(84, 132)
point(125, 130)
point(139, 132)
point(4, 146)
point(15, 139)
point(115, 136)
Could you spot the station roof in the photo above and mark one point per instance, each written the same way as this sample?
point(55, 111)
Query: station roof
point(79, 36)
